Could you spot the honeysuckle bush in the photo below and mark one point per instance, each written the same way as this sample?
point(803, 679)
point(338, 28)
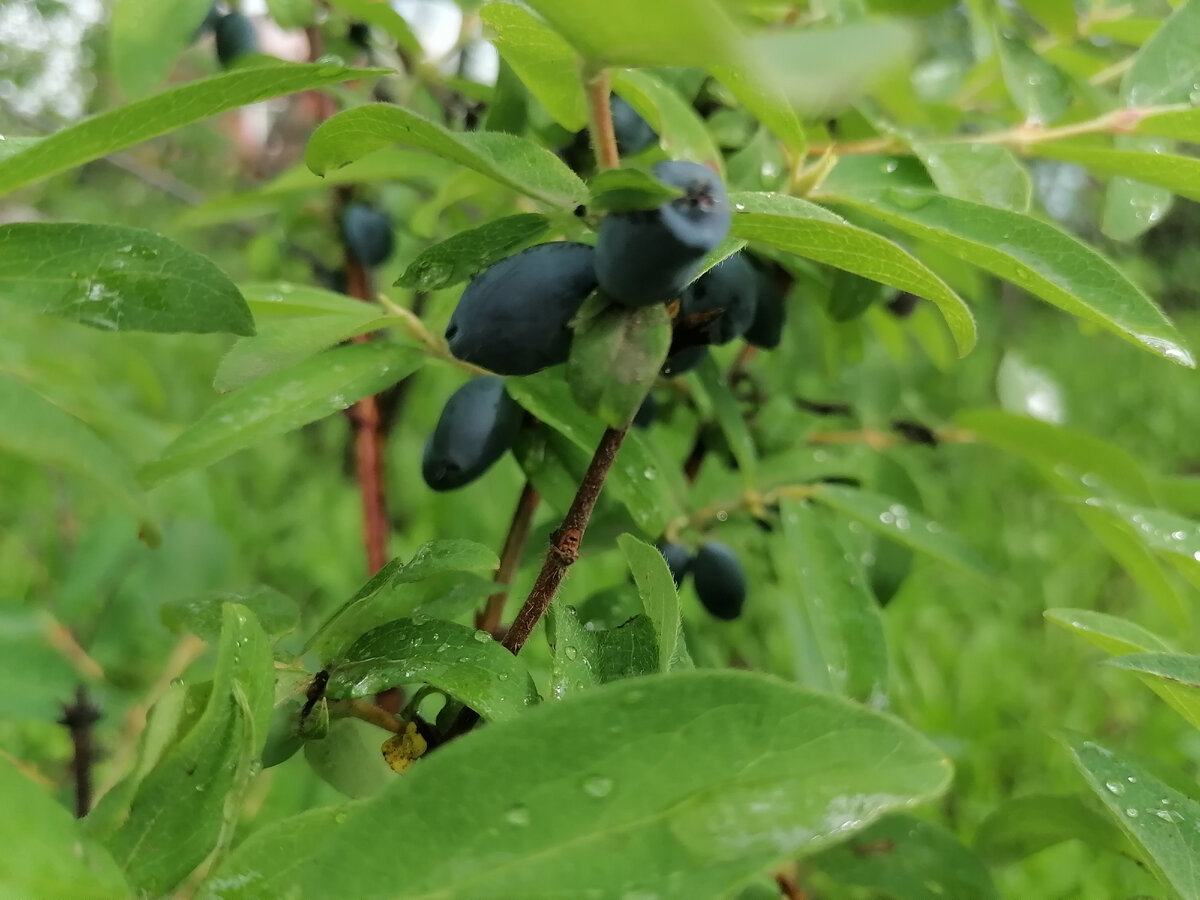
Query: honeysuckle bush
point(958, 488)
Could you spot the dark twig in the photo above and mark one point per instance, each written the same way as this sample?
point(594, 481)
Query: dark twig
point(488, 618)
point(564, 543)
point(79, 717)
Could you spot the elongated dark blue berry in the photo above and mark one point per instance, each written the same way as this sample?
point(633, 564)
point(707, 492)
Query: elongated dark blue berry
point(236, 37)
point(367, 233)
point(719, 579)
point(729, 288)
point(513, 319)
point(477, 425)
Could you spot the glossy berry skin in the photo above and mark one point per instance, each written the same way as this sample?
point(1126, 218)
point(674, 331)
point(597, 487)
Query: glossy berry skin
point(513, 319)
point(367, 234)
point(719, 579)
point(766, 329)
point(649, 256)
point(684, 360)
point(679, 560)
point(478, 424)
point(730, 287)
point(235, 37)
point(634, 133)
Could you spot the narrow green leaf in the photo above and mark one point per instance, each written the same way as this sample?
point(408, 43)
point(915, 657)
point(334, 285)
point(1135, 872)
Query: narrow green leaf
point(1182, 124)
point(1131, 208)
point(292, 13)
point(1023, 826)
point(766, 102)
point(546, 64)
point(648, 485)
point(513, 161)
point(116, 279)
point(136, 122)
point(808, 230)
point(463, 662)
point(46, 853)
point(1179, 174)
point(1158, 529)
point(283, 341)
point(616, 354)
point(432, 559)
point(1111, 634)
point(178, 814)
point(982, 173)
point(715, 389)
point(839, 605)
point(897, 522)
point(283, 401)
point(276, 299)
point(34, 428)
point(1174, 676)
point(1040, 90)
point(469, 252)
point(796, 771)
point(1035, 256)
point(1162, 822)
point(626, 189)
point(656, 587)
point(350, 759)
point(668, 32)
point(584, 659)
point(680, 129)
point(145, 38)
point(1166, 70)
point(908, 859)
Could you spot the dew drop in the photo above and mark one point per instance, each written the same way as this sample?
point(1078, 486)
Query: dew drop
point(518, 815)
point(483, 637)
point(598, 786)
point(1115, 787)
point(571, 652)
point(1131, 812)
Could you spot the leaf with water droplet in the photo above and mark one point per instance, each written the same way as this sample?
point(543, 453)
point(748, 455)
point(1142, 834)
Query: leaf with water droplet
point(585, 658)
point(1174, 676)
point(1170, 845)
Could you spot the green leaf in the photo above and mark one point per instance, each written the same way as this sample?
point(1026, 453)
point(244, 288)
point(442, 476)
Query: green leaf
point(649, 486)
point(680, 129)
point(838, 604)
point(823, 70)
point(145, 38)
point(714, 388)
point(34, 428)
point(203, 615)
point(117, 279)
point(1173, 676)
point(808, 230)
point(283, 341)
point(897, 522)
point(1061, 449)
point(627, 189)
point(350, 759)
point(291, 13)
point(1039, 89)
point(1158, 529)
point(908, 859)
point(615, 356)
point(469, 252)
point(136, 122)
point(766, 102)
point(382, 16)
point(584, 659)
point(277, 299)
point(1034, 256)
point(546, 64)
point(1111, 634)
point(515, 162)
point(1162, 822)
point(1131, 208)
point(1023, 826)
point(179, 812)
point(431, 560)
point(982, 173)
point(1179, 174)
point(1057, 15)
point(1181, 124)
point(463, 662)
point(46, 853)
point(282, 402)
point(785, 771)
point(656, 587)
point(1167, 69)
point(667, 33)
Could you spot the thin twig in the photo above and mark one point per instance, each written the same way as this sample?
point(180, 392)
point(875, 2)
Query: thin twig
point(369, 712)
point(604, 138)
point(62, 640)
point(79, 717)
point(488, 619)
point(564, 543)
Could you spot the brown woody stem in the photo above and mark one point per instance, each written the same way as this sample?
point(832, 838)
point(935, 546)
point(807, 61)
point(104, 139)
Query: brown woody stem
point(564, 545)
point(488, 618)
point(604, 138)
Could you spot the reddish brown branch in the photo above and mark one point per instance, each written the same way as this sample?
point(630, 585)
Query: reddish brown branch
point(488, 618)
point(564, 546)
point(604, 137)
point(79, 717)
